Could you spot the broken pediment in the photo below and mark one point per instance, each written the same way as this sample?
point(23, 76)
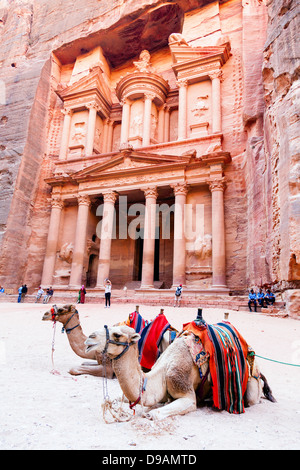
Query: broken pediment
point(197, 61)
point(90, 87)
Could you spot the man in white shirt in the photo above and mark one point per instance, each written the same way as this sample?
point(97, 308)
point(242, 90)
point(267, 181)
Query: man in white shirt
point(107, 286)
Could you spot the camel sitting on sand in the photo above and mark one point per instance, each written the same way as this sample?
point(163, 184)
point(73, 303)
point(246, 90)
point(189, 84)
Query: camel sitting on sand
point(174, 376)
point(69, 317)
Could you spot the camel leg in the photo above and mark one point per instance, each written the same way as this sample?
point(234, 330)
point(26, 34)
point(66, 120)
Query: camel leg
point(253, 392)
point(95, 370)
point(180, 406)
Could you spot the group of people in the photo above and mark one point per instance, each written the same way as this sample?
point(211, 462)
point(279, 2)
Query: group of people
point(107, 293)
point(22, 291)
point(261, 298)
point(47, 296)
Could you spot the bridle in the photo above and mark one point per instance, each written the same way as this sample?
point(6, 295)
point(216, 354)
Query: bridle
point(54, 313)
point(117, 343)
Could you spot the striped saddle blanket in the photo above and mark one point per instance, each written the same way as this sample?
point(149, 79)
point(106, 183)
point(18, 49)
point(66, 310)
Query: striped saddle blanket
point(151, 335)
point(228, 367)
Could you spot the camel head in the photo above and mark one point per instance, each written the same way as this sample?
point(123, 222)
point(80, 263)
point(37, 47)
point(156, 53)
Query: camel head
point(114, 340)
point(61, 314)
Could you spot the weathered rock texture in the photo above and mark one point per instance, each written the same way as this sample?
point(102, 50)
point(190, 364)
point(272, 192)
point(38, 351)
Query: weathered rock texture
point(260, 116)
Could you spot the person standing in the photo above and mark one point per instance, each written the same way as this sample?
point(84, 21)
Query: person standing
point(81, 295)
point(20, 294)
point(178, 294)
point(24, 292)
point(107, 286)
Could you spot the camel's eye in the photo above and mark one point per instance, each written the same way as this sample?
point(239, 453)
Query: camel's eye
point(92, 335)
point(117, 336)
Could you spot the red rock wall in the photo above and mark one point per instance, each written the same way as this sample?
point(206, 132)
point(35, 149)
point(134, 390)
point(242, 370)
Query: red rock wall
point(260, 125)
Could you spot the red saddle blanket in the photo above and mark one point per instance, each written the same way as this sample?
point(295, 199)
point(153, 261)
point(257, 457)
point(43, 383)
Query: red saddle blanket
point(150, 340)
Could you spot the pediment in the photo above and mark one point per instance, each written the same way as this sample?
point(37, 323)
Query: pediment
point(183, 53)
point(127, 162)
point(93, 82)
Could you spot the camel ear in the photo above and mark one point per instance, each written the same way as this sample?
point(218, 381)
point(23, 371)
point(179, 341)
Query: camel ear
point(134, 338)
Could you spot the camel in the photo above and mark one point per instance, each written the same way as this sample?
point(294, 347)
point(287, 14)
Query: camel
point(174, 375)
point(69, 317)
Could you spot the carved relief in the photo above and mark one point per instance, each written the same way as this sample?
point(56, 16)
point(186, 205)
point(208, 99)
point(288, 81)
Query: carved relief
point(198, 250)
point(143, 65)
point(201, 106)
point(66, 252)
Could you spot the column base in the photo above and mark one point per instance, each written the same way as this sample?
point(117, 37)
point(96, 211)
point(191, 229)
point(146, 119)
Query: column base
point(147, 287)
point(219, 287)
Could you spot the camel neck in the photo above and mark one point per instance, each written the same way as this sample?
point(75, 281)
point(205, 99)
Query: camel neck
point(129, 374)
point(76, 337)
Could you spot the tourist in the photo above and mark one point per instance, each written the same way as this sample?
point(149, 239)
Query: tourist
point(178, 294)
point(2, 290)
point(24, 292)
point(48, 295)
point(107, 286)
point(261, 298)
point(252, 300)
point(270, 297)
point(20, 294)
point(81, 295)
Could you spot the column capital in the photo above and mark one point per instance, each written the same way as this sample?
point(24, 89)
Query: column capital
point(67, 111)
point(166, 108)
point(149, 96)
point(217, 184)
point(150, 192)
point(125, 100)
point(92, 105)
point(216, 74)
point(57, 202)
point(110, 196)
point(83, 200)
point(182, 82)
point(180, 188)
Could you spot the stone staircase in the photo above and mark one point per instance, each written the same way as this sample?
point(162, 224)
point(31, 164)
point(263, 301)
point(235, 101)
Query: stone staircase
point(156, 296)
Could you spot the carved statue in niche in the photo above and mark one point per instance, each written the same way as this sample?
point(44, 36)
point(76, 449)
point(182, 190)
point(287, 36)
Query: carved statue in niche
point(137, 125)
point(199, 249)
point(201, 106)
point(143, 65)
point(66, 252)
point(79, 133)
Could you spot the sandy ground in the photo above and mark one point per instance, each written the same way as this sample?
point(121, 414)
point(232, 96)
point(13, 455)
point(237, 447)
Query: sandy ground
point(40, 410)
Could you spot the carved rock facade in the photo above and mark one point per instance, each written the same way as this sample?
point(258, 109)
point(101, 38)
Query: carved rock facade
point(169, 97)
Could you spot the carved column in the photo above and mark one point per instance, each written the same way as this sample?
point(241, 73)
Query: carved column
point(53, 232)
point(90, 137)
point(65, 134)
point(125, 121)
point(80, 241)
point(149, 238)
point(105, 135)
point(149, 97)
point(216, 101)
point(106, 237)
point(217, 188)
point(167, 123)
point(182, 109)
point(179, 257)
point(161, 124)
point(110, 136)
